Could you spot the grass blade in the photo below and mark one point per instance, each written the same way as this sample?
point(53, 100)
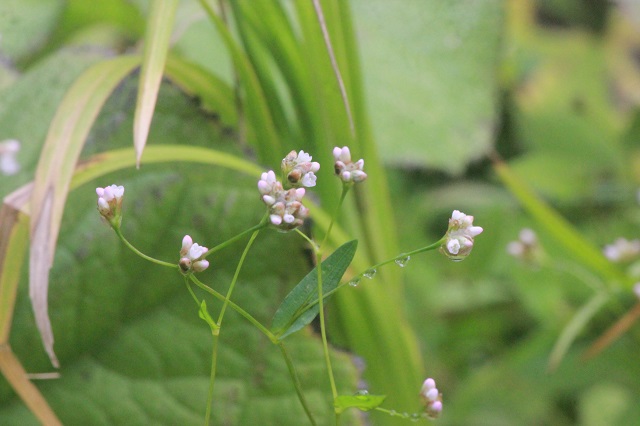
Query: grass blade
point(65, 139)
point(156, 45)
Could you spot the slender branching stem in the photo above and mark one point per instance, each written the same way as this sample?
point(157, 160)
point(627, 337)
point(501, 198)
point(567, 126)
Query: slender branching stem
point(142, 255)
point(236, 308)
point(236, 274)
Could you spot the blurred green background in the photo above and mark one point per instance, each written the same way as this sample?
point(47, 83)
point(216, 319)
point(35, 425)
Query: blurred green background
point(550, 86)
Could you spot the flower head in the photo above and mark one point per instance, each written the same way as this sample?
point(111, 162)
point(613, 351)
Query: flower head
point(8, 163)
point(110, 203)
point(191, 256)
point(346, 170)
point(286, 211)
point(431, 398)
point(299, 169)
point(622, 250)
point(526, 247)
point(459, 237)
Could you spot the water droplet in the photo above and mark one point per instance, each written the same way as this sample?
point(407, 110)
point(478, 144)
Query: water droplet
point(362, 394)
point(370, 273)
point(402, 262)
point(354, 282)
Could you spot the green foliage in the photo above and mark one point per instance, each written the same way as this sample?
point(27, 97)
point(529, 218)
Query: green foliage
point(298, 308)
point(434, 86)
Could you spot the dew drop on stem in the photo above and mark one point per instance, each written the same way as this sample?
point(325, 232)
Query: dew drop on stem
point(402, 262)
point(370, 273)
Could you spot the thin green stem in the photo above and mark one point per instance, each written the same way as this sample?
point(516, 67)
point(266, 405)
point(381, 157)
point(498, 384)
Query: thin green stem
point(323, 330)
point(142, 255)
point(212, 379)
point(263, 223)
point(236, 308)
point(401, 256)
point(237, 273)
point(296, 382)
point(394, 413)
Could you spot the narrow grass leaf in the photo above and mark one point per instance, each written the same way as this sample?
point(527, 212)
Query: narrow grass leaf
point(156, 45)
point(67, 134)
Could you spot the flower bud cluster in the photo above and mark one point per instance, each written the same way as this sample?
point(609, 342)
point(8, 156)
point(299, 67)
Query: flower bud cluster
point(622, 250)
point(526, 247)
point(110, 203)
point(191, 256)
point(8, 163)
point(431, 398)
point(459, 237)
point(286, 211)
point(299, 169)
point(346, 170)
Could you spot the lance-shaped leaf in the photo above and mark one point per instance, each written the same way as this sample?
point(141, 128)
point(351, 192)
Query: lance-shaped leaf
point(364, 402)
point(156, 44)
point(299, 308)
point(66, 136)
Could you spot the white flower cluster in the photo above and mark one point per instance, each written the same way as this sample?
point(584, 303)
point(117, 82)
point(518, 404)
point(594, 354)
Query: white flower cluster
point(526, 247)
point(8, 163)
point(460, 235)
point(346, 170)
point(286, 210)
point(299, 169)
point(191, 256)
point(432, 399)
point(622, 250)
point(110, 203)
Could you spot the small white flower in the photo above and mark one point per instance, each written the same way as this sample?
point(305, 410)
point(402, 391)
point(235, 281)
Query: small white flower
point(431, 398)
point(345, 169)
point(110, 203)
point(8, 163)
point(299, 169)
point(191, 256)
point(459, 237)
point(526, 247)
point(622, 250)
point(286, 211)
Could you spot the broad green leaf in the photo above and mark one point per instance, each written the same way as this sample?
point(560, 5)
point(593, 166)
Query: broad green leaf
point(131, 345)
point(294, 313)
point(431, 78)
point(363, 402)
point(25, 26)
point(156, 45)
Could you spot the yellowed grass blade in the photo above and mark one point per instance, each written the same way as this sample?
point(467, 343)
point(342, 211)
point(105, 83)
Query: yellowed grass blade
point(17, 377)
point(14, 233)
point(67, 134)
point(156, 45)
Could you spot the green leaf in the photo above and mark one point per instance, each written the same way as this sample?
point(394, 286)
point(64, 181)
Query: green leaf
point(203, 313)
point(364, 402)
point(156, 45)
point(431, 78)
point(292, 315)
point(25, 25)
